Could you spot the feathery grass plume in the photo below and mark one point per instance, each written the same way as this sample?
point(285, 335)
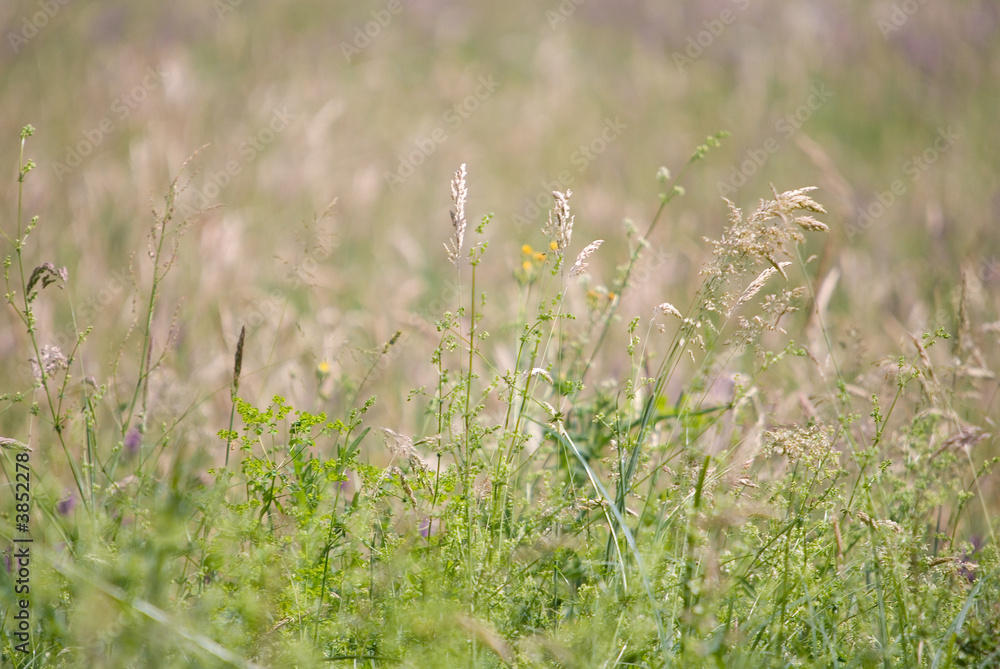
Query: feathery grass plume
point(50, 360)
point(966, 438)
point(559, 227)
point(746, 242)
point(581, 260)
point(538, 371)
point(13, 444)
point(758, 283)
point(795, 200)
point(459, 193)
point(666, 308)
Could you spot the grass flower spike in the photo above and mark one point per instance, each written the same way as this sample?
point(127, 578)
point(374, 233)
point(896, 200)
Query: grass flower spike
point(560, 224)
point(459, 193)
point(581, 260)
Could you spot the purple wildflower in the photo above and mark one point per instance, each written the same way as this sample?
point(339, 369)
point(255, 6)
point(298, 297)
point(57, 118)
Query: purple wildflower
point(133, 439)
point(66, 505)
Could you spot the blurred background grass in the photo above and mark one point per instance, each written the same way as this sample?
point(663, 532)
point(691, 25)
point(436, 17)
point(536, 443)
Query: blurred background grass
point(310, 110)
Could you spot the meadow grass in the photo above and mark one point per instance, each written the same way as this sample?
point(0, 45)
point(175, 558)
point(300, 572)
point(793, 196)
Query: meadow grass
point(733, 488)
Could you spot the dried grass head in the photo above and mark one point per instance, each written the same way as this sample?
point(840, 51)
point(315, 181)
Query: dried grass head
point(747, 242)
point(459, 195)
point(559, 227)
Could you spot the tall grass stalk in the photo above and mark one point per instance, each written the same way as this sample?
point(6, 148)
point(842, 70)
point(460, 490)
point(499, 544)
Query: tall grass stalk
point(46, 361)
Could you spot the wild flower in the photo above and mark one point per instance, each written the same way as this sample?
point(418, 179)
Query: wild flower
point(66, 505)
point(530, 264)
point(599, 298)
point(133, 440)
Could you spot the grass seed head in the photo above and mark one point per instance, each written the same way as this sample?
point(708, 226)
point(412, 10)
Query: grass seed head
point(238, 364)
point(559, 227)
point(459, 194)
point(581, 260)
point(666, 308)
